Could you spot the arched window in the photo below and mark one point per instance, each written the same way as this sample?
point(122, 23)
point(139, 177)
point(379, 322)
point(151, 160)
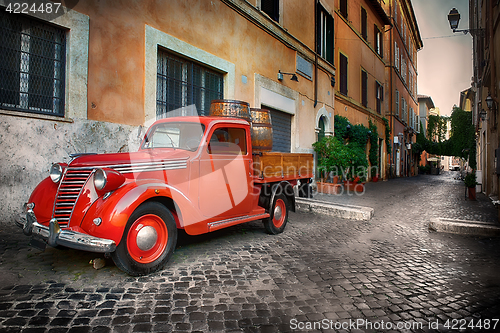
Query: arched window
point(321, 126)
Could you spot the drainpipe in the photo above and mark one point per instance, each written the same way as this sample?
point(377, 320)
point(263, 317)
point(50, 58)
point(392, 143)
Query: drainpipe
point(493, 85)
point(391, 122)
point(316, 54)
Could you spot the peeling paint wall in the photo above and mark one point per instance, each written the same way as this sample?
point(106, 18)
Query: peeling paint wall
point(30, 146)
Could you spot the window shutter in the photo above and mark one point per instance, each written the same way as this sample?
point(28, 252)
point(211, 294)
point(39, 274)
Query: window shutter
point(343, 74)
point(364, 88)
point(329, 39)
point(271, 8)
point(343, 8)
point(364, 25)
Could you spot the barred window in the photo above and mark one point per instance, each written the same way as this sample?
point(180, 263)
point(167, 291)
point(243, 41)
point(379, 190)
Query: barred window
point(182, 83)
point(32, 65)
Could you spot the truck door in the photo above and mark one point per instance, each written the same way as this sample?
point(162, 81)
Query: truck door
point(225, 185)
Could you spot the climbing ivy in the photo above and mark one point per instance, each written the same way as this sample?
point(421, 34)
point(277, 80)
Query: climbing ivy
point(462, 141)
point(388, 145)
point(373, 155)
point(436, 128)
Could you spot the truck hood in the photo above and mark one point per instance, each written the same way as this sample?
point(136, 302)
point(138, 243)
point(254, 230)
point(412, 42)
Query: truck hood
point(140, 158)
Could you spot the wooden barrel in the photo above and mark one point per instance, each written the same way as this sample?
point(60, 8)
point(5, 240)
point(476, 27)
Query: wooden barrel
point(230, 108)
point(262, 130)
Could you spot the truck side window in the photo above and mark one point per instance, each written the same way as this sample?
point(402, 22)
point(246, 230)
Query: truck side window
point(228, 141)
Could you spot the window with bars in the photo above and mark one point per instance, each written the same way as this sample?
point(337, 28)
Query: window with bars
point(182, 83)
point(32, 65)
point(271, 8)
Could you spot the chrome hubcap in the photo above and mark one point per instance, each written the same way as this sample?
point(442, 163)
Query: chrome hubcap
point(146, 238)
point(277, 212)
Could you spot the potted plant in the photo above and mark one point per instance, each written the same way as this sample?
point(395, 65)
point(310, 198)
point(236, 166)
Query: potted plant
point(357, 167)
point(356, 184)
point(470, 182)
point(331, 161)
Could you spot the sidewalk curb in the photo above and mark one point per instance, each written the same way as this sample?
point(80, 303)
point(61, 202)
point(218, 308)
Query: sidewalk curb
point(333, 209)
point(463, 227)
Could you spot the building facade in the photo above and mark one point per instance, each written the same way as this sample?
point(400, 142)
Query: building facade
point(403, 42)
point(425, 107)
point(360, 59)
point(484, 18)
point(92, 77)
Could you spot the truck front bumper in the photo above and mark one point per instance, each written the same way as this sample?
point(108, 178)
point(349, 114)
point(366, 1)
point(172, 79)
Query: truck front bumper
point(54, 236)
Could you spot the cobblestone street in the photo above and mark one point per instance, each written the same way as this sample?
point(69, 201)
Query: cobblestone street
point(321, 274)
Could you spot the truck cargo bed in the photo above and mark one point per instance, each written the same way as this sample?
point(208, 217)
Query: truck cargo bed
point(270, 167)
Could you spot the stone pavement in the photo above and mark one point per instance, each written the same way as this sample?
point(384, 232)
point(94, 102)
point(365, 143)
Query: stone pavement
point(322, 274)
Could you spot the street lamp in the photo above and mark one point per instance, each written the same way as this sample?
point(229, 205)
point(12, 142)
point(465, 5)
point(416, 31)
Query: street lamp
point(293, 78)
point(489, 101)
point(454, 19)
point(483, 114)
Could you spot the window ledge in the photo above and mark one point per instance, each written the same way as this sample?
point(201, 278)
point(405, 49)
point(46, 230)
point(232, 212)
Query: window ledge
point(35, 116)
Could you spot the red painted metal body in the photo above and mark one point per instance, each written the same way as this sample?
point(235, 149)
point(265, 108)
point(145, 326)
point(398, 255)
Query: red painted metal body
point(206, 188)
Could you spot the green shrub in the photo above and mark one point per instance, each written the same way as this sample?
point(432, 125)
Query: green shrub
point(470, 179)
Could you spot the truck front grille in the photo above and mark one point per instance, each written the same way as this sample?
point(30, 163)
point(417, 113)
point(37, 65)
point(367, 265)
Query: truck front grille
point(69, 189)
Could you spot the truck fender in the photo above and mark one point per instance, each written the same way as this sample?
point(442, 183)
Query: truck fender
point(115, 210)
point(43, 196)
point(285, 188)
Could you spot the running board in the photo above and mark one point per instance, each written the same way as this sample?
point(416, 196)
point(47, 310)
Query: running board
point(212, 226)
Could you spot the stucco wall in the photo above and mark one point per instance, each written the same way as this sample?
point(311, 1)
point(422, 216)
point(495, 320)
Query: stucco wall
point(30, 146)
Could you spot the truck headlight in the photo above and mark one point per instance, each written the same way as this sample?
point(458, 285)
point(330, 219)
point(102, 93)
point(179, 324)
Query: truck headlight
point(106, 179)
point(56, 172)
point(100, 179)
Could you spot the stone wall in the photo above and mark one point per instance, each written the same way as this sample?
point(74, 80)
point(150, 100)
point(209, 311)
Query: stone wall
point(30, 146)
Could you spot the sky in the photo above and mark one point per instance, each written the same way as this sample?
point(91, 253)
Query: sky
point(444, 64)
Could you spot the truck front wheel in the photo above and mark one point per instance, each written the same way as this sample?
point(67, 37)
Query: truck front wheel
point(148, 240)
point(276, 223)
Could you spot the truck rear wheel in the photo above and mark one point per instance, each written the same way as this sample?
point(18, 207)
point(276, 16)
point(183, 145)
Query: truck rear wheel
point(276, 223)
point(148, 240)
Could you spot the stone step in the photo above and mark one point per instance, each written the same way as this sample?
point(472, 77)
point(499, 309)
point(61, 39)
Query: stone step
point(333, 209)
point(464, 227)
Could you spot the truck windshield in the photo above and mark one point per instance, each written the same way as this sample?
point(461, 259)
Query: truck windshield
point(175, 135)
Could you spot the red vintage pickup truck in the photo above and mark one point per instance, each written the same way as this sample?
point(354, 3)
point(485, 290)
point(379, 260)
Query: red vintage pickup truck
point(193, 173)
